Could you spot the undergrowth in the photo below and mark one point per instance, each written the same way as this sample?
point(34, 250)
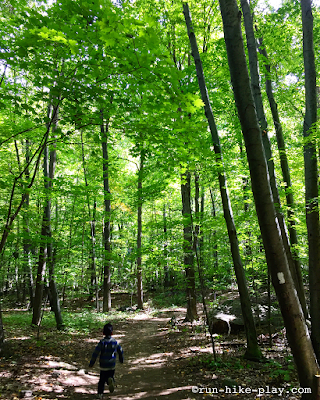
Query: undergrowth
point(279, 372)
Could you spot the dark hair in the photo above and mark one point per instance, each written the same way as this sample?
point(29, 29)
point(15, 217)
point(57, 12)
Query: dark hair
point(108, 329)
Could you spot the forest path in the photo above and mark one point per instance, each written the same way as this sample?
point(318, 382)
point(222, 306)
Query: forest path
point(150, 370)
point(160, 363)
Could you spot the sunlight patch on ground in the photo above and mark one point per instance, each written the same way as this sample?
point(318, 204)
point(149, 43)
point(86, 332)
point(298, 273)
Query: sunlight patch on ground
point(60, 364)
point(199, 349)
point(91, 340)
point(5, 374)
point(175, 310)
point(155, 360)
point(141, 317)
point(165, 392)
point(20, 338)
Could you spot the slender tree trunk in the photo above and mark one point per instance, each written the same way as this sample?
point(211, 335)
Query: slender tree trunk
point(93, 287)
point(1, 332)
point(253, 351)
point(165, 249)
point(43, 252)
point(188, 251)
point(311, 173)
point(139, 233)
point(199, 210)
point(246, 207)
point(107, 216)
point(45, 234)
point(215, 246)
point(196, 204)
point(201, 238)
point(286, 177)
point(281, 147)
point(296, 328)
point(255, 86)
point(27, 238)
point(46, 251)
point(54, 296)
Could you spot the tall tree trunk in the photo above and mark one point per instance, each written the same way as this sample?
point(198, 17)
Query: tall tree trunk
point(311, 173)
point(139, 233)
point(201, 238)
point(215, 246)
point(253, 351)
point(27, 238)
point(1, 332)
point(43, 252)
point(256, 91)
point(54, 295)
point(46, 252)
point(285, 174)
point(199, 210)
point(107, 216)
point(165, 249)
point(93, 287)
point(296, 328)
point(188, 251)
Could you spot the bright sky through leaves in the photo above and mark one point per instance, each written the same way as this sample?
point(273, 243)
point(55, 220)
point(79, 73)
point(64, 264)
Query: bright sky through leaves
point(277, 3)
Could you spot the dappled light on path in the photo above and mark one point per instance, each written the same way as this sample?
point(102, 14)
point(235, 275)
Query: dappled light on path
point(153, 361)
point(61, 372)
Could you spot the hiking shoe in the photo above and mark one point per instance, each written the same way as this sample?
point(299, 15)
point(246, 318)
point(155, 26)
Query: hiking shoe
point(100, 396)
point(111, 385)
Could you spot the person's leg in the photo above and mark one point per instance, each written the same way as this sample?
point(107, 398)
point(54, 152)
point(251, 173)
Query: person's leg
point(103, 379)
point(111, 381)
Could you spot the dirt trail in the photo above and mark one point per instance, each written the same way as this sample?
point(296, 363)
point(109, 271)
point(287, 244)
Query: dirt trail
point(147, 373)
point(150, 370)
point(157, 365)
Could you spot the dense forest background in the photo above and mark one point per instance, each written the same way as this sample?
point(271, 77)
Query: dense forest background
point(110, 176)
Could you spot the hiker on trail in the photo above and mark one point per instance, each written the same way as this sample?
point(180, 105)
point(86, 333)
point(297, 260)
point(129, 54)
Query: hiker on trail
point(108, 349)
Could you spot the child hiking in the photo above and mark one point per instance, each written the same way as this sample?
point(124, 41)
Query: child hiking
point(108, 349)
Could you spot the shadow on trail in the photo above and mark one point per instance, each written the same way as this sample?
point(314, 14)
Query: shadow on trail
point(149, 371)
point(146, 373)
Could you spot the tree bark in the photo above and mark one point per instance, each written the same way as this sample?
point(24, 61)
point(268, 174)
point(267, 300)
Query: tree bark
point(43, 252)
point(27, 238)
point(188, 258)
point(139, 233)
point(253, 351)
point(257, 96)
point(54, 295)
point(107, 216)
point(284, 168)
point(93, 287)
point(311, 173)
point(1, 332)
point(166, 280)
point(213, 233)
point(46, 248)
point(296, 328)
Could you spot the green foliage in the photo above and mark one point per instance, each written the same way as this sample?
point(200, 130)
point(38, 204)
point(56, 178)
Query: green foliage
point(169, 299)
point(131, 64)
point(220, 365)
point(281, 372)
